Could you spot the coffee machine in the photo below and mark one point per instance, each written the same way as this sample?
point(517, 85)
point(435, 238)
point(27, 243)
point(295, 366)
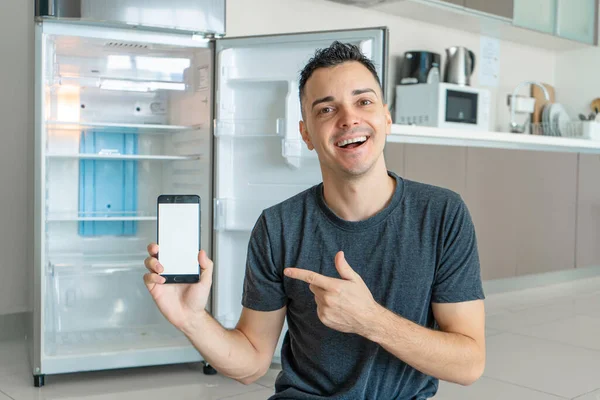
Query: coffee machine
point(420, 67)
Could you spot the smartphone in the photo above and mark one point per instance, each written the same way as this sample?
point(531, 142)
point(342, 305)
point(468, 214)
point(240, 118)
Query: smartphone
point(178, 231)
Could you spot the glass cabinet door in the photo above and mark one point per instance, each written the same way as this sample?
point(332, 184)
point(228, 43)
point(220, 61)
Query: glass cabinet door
point(576, 20)
point(539, 15)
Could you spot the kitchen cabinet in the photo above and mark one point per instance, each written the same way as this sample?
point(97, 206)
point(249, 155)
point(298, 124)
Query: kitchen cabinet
point(576, 20)
point(501, 8)
point(394, 157)
point(525, 223)
point(490, 173)
point(548, 26)
point(569, 19)
point(436, 165)
point(539, 15)
point(588, 211)
point(545, 212)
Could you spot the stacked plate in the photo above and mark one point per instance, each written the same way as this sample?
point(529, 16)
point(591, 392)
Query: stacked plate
point(555, 120)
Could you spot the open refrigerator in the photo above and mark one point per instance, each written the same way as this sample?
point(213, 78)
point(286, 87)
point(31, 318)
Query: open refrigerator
point(124, 115)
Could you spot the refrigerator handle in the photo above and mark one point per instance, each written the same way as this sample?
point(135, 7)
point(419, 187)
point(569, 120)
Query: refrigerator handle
point(292, 140)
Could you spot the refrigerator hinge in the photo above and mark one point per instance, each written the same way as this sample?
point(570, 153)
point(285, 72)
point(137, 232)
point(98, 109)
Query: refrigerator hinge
point(208, 36)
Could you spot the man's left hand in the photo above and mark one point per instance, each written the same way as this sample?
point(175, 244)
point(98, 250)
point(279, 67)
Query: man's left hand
point(346, 304)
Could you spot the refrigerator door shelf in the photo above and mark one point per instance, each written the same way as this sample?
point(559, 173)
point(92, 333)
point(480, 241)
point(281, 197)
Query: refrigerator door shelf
point(237, 215)
point(250, 128)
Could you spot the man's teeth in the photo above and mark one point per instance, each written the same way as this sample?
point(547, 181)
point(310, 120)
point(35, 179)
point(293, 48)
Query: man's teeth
point(354, 140)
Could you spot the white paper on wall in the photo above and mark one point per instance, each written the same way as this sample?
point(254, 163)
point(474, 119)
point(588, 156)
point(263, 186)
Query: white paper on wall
point(489, 61)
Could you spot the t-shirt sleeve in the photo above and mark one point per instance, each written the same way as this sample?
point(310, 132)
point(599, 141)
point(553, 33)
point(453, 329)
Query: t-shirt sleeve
point(263, 283)
point(458, 275)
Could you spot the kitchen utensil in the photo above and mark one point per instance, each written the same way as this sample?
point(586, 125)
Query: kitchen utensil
point(540, 101)
point(460, 64)
point(596, 105)
point(560, 119)
point(545, 122)
point(582, 117)
point(592, 116)
point(420, 67)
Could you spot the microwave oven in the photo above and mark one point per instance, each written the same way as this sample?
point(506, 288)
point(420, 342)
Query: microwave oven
point(443, 105)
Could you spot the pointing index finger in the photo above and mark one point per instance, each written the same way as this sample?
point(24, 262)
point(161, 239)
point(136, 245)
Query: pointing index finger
point(310, 277)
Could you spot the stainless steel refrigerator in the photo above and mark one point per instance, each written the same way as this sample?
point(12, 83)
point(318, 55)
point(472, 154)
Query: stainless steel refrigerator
point(134, 98)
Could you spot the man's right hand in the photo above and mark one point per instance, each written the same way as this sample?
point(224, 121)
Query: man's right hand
point(179, 303)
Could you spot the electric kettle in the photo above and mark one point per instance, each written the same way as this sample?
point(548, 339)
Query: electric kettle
point(460, 63)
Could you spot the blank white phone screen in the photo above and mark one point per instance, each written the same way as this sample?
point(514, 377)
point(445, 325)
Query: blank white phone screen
point(179, 238)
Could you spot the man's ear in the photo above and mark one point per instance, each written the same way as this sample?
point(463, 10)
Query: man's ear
point(305, 135)
point(388, 120)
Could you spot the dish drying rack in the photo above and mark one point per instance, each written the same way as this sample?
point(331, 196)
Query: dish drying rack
point(589, 130)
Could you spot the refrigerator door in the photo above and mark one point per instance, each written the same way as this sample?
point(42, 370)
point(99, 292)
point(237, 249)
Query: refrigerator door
point(260, 158)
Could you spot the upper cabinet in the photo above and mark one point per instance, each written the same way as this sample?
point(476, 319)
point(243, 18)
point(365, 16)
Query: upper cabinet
point(500, 8)
point(557, 25)
point(539, 15)
point(569, 19)
point(576, 20)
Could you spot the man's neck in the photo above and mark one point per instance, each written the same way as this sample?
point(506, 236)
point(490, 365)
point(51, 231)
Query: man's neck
point(361, 198)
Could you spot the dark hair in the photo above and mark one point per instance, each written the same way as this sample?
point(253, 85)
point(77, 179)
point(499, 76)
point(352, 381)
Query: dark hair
point(331, 56)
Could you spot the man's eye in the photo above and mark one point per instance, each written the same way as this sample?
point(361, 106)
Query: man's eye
point(365, 102)
point(325, 110)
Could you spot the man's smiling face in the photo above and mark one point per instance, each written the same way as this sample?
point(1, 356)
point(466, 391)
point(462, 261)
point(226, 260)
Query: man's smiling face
point(345, 118)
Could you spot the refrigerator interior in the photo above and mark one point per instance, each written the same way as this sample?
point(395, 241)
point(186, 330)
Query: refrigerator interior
point(123, 122)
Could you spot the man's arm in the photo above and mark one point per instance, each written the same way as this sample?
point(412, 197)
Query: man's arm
point(456, 353)
point(243, 353)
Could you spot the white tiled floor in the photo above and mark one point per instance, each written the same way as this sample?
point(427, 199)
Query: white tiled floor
point(542, 344)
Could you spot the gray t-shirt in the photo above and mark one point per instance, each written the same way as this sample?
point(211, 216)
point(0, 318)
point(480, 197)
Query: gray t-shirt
point(420, 249)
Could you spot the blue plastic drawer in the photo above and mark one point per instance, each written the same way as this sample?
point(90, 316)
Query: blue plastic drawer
point(108, 187)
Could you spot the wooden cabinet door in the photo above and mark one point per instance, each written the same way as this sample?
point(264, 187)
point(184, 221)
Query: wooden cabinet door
point(523, 205)
point(443, 166)
point(501, 8)
point(588, 211)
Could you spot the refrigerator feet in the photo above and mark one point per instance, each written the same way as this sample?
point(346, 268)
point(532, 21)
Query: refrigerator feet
point(38, 380)
point(208, 370)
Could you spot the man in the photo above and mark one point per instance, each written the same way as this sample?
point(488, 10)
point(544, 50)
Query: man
point(378, 276)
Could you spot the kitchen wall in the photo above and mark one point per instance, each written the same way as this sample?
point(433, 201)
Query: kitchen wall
point(517, 62)
point(16, 154)
point(577, 78)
